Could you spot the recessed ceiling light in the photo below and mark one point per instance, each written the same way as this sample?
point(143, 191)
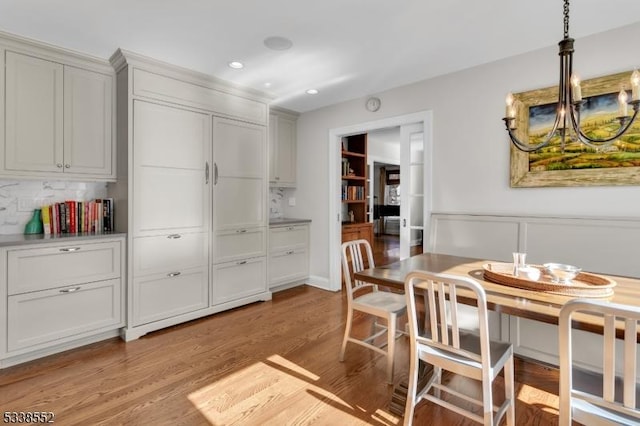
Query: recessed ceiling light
point(236, 65)
point(267, 84)
point(312, 92)
point(278, 43)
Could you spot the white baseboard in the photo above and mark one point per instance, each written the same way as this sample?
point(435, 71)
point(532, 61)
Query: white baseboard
point(319, 282)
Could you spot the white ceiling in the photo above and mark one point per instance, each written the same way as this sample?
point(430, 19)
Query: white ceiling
point(344, 48)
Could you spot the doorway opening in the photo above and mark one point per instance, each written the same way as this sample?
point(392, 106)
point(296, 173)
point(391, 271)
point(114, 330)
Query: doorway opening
point(413, 153)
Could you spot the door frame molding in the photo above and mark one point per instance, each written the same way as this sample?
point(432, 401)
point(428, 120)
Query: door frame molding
point(335, 135)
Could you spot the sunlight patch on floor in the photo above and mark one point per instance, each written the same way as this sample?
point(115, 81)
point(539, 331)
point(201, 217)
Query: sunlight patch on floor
point(274, 392)
point(545, 401)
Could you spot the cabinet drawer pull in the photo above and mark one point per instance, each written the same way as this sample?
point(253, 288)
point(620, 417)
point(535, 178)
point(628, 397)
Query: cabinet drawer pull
point(68, 249)
point(290, 252)
point(70, 290)
point(241, 231)
point(242, 262)
point(291, 228)
point(174, 236)
point(173, 274)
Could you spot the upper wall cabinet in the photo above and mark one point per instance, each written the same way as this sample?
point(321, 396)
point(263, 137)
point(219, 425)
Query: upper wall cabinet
point(59, 117)
point(282, 148)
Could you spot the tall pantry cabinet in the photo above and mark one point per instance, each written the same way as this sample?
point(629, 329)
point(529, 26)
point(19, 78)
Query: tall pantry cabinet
point(192, 173)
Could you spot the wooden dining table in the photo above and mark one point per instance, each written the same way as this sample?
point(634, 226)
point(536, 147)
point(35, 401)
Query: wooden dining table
point(541, 306)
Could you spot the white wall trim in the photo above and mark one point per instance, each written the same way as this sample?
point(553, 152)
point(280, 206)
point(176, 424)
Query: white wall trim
point(375, 159)
point(320, 282)
point(335, 135)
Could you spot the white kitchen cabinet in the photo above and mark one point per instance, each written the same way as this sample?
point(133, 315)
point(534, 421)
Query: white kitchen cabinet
point(162, 296)
point(33, 109)
point(88, 123)
point(239, 191)
point(239, 243)
point(239, 279)
point(191, 194)
point(48, 316)
point(239, 210)
point(170, 255)
point(170, 170)
point(288, 255)
point(60, 294)
point(59, 119)
point(282, 148)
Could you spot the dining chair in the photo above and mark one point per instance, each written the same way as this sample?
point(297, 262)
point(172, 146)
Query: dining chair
point(437, 339)
point(367, 298)
point(607, 407)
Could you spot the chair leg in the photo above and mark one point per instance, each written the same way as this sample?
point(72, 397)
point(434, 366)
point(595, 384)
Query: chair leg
point(412, 388)
point(510, 391)
point(391, 345)
point(347, 333)
point(487, 400)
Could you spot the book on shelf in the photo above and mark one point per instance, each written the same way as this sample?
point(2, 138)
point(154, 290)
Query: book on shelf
point(352, 193)
point(76, 217)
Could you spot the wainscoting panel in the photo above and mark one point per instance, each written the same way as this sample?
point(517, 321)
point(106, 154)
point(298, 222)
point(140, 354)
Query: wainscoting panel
point(605, 245)
point(475, 236)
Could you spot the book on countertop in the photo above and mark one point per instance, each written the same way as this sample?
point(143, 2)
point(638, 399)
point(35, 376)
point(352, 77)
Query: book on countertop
point(79, 217)
point(46, 220)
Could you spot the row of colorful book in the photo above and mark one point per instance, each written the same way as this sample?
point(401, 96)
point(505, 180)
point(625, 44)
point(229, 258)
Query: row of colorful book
point(75, 217)
point(352, 193)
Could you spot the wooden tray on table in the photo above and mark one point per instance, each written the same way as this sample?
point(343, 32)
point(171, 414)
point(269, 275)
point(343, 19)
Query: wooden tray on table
point(583, 285)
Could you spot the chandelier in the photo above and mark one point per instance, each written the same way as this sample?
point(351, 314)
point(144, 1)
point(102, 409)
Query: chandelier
point(570, 102)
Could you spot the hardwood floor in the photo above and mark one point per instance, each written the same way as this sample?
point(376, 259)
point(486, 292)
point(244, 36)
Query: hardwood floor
point(386, 249)
point(271, 363)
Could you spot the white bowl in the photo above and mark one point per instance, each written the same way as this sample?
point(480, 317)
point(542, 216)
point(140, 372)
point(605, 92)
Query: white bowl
point(529, 272)
point(562, 273)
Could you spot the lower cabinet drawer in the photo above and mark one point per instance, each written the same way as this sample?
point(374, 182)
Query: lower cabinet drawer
point(288, 266)
point(239, 244)
point(282, 237)
point(242, 278)
point(158, 297)
point(51, 315)
point(166, 253)
point(34, 269)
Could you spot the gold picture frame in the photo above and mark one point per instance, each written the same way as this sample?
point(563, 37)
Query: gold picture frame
point(521, 173)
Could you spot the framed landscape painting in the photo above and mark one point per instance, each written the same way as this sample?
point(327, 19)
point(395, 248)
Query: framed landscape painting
point(577, 164)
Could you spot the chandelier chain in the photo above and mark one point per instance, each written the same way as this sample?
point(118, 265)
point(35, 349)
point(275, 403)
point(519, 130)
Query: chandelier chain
point(566, 18)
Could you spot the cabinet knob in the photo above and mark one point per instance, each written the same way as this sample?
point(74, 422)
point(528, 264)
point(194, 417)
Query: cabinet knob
point(66, 166)
point(59, 165)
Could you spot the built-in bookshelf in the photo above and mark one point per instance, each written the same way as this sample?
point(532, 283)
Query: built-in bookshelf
point(78, 217)
point(354, 176)
point(355, 198)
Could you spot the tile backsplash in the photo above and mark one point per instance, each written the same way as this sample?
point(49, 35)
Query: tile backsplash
point(18, 199)
point(276, 195)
